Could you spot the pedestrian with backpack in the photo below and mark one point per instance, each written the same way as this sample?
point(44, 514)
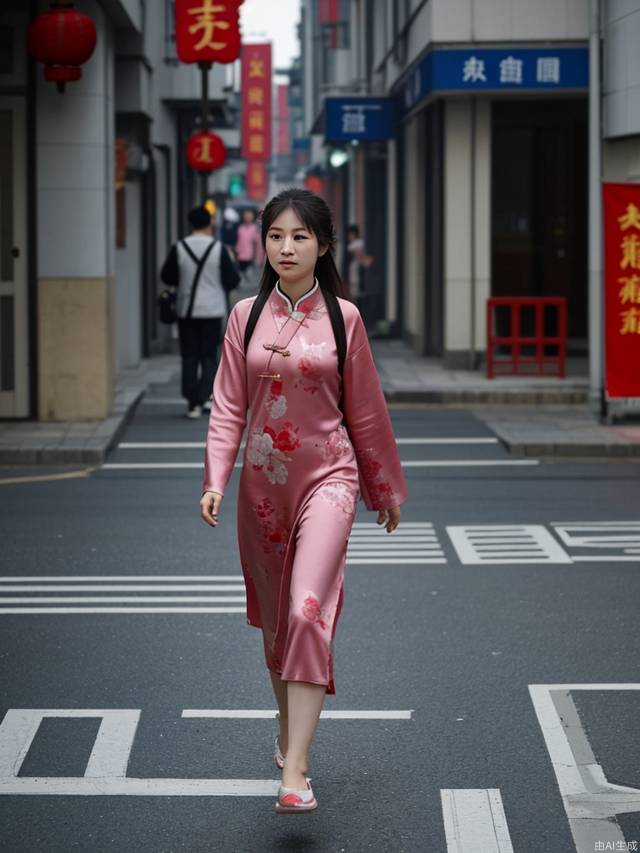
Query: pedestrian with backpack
point(319, 438)
point(202, 270)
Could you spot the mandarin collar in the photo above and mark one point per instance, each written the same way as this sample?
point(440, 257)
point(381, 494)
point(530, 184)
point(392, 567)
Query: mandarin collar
point(287, 299)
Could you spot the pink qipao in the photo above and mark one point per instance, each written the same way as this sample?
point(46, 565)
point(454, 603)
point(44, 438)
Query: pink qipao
point(302, 471)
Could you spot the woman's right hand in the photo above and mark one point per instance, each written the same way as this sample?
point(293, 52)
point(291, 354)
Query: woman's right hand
point(209, 507)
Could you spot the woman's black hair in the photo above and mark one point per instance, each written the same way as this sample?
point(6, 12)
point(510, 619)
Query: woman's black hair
point(314, 213)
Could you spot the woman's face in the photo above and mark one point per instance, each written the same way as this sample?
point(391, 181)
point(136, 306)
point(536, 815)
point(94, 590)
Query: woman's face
point(291, 248)
point(248, 216)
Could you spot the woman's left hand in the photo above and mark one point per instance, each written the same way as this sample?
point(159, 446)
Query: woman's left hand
point(389, 517)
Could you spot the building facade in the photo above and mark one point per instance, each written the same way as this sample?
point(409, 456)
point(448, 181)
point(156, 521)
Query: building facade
point(477, 185)
point(94, 189)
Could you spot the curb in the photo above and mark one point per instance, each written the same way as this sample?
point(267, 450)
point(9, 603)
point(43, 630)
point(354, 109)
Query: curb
point(88, 451)
point(475, 397)
point(602, 450)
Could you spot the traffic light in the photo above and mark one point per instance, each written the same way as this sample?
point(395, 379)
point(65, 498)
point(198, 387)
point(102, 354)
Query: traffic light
point(236, 186)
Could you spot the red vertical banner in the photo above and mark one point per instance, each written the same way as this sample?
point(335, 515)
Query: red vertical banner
point(328, 11)
point(621, 214)
point(256, 101)
point(256, 180)
point(282, 142)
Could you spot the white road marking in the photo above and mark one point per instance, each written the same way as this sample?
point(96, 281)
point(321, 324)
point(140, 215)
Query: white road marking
point(187, 602)
point(200, 445)
point(123, 599)
point(19, 611)
point(611, 535)
point(132, 578)
point(474, 821)
point(370, 543)
point(125, 786)
point(429, 463)
point(260, 714)
point(505, 543)
point(591, 802)
point(106, 769)
point(396, 561)
point(468, 463)
point(121, 588)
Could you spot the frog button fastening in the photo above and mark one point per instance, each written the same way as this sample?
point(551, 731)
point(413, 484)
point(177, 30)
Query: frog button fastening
point(269, 375)
point(277, 348)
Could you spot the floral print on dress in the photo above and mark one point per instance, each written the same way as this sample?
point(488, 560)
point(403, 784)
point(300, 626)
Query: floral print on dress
point(341, 496)
point(311, 610)
point(311, 367)
point(273, 527)
point(276, 405)
point(337, 445)
point(380, 489)
point(267, 450)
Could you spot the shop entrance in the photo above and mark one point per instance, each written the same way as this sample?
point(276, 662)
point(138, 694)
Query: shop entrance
point(539, 203)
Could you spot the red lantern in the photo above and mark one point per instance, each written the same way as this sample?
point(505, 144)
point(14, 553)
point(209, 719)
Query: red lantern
point(205, 152)
point(63, 40)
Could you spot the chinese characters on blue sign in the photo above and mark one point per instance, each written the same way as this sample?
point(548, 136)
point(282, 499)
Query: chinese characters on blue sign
point(459, 70)
point(501, 69)
point(359, 118)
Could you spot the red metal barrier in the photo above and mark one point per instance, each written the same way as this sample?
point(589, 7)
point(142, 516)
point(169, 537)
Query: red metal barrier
point(516, 341)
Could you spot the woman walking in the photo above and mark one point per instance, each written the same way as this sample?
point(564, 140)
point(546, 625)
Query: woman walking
point(303, 468)
point(248, 249)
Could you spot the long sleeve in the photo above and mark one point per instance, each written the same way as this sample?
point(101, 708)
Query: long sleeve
point(382, 481)
point(228, 415)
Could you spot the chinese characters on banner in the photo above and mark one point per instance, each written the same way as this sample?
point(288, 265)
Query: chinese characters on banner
point(256, 115)
point(207, 30)
point(621, 207)
point(256, 180)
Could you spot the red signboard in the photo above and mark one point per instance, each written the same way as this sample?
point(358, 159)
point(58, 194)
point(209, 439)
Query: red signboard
point(257, 182)
point(621, 208)
point(207, 30)
point(328, 11)
point(283, 146)
point(256, 101)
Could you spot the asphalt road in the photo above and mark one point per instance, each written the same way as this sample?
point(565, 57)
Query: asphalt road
point(486, 658)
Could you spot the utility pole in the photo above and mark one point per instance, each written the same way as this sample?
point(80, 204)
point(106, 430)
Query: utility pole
point(596, 295)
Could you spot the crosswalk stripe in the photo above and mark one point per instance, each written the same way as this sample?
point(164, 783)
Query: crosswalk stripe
point(122, 599)
point(354, 561)
point(263, 714)
point(528, 543)
point(132, 578)
point(474, 820)
point(122, 588)
point(18, 611)
point(428, 463)
point(200, 445)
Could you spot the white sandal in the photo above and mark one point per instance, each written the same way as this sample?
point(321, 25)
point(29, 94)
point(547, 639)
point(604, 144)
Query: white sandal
point(293, 800)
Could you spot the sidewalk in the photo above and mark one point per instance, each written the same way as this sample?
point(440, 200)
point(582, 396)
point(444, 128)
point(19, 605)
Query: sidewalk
point(543, 417)
point(409, 378)
point(83, 442)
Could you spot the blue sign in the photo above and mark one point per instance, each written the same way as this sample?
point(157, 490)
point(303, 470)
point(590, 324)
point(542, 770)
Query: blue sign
point(359, 118)
point(497, 69)
point(301, 143)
